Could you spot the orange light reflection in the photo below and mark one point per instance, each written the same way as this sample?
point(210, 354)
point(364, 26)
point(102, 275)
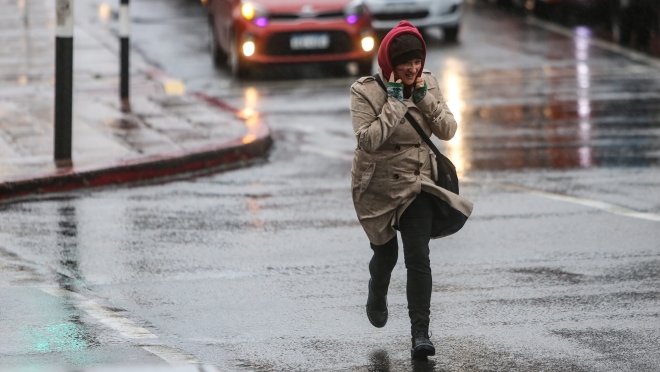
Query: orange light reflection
point(250, 115)
point(254, 207)
point(249, 138)
point(453, 94)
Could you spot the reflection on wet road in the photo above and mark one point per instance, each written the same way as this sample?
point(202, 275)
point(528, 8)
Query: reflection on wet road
point(67, 235)
point(529, 98)
point(380, 361)
point(265, 268)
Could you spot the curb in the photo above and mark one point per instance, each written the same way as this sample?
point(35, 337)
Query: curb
point(235, 154)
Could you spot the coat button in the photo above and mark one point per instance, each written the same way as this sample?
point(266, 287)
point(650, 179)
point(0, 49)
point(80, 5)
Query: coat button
point(396, 176)
point(402, 121)
point(417, 173)
point(397, 147)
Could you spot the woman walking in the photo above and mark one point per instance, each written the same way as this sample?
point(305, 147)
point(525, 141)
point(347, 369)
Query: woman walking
point(394, 172)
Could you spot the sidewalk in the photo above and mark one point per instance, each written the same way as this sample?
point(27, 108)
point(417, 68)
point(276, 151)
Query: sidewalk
point(167, 133)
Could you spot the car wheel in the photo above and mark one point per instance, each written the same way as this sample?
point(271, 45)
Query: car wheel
point(451, 33)
point(237, 65)
point(218, 55)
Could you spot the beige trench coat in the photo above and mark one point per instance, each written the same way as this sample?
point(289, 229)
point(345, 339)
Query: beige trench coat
point(392, 164)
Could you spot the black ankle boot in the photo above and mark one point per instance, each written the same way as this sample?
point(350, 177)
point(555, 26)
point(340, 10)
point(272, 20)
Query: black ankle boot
point(376, 308)
point(421, 346)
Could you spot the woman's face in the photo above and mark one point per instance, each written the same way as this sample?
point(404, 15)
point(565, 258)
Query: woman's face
point(407, 71)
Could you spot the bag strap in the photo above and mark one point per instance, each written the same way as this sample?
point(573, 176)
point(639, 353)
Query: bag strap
point(414, 123)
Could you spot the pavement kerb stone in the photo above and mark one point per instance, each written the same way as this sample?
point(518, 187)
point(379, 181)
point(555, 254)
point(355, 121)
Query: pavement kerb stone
point(234, 154)
point(231, 155)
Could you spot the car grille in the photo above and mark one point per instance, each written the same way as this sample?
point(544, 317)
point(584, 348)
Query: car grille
point(296, 16)
point(278, 44)
point(400, 16)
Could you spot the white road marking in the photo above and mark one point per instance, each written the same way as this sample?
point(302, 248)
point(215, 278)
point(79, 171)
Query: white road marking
point(327, 152)
point(127, 328)
point(171, 355)
point(607, 207)
point(107, 317)
point(147, 368)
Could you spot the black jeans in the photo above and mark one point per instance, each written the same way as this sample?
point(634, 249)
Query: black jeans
point(415, 229)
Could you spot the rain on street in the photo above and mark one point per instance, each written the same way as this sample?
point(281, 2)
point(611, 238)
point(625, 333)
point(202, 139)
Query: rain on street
point(265, 268)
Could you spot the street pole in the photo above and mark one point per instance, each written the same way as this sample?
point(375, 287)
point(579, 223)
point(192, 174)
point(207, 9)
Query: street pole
point(124, 31)
point(63, 82)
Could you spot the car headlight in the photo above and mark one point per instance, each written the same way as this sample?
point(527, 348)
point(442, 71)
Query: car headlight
point(247, 11)
point(251, 10)
point(368, 43)
point(353, 11)
point(248, 48)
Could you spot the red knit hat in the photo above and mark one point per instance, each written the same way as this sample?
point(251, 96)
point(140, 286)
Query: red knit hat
point(405, 47)
point(384, 62)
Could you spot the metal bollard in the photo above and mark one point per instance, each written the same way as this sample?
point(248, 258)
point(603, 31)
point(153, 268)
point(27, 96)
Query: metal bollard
point(63, 82)
point(124, 33)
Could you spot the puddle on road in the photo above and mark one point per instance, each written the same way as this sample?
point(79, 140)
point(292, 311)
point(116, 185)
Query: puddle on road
point(540, 99)
point(583, 120)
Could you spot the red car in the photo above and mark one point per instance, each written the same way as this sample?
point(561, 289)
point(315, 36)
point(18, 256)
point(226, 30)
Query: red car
point(249, 32)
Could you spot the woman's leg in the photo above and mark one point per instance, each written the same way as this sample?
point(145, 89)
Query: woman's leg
point(380, 268)
point(415, 227)
point(381, 265)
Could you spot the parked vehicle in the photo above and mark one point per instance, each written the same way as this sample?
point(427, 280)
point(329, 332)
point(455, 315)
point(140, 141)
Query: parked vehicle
point(245, 33)
point(446, 14)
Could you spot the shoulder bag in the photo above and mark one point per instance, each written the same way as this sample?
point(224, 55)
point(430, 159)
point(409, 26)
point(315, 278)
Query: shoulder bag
point(447, 178)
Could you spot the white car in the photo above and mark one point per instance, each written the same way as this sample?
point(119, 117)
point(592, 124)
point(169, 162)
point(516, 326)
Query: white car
point(421, 13)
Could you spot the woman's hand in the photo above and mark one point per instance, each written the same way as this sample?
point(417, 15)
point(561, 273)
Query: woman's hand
point(420, 90)
point(395, 88)
point(419, 82)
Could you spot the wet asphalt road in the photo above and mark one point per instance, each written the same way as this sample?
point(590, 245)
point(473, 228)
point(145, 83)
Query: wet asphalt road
point(265, 268)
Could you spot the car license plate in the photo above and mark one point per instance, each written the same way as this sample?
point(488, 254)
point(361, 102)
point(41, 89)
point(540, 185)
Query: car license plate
point(400, 8)
point(309, 41)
